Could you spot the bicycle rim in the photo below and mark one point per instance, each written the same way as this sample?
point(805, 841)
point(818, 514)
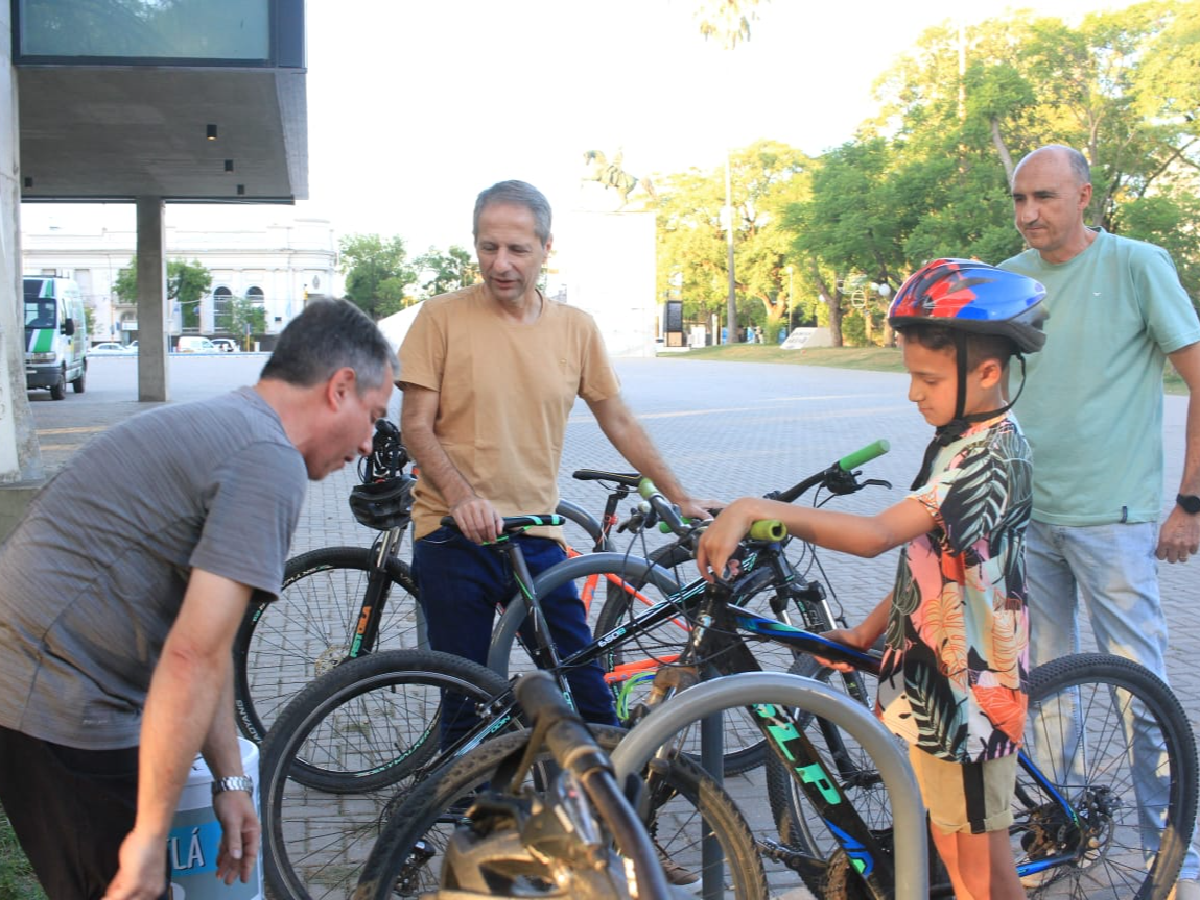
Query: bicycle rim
point(371, 726)
point(1114, 742)
point(283, 645)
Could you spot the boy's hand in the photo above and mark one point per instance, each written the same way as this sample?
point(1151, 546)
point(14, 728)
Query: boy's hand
point(721, 538)
point(848, 636)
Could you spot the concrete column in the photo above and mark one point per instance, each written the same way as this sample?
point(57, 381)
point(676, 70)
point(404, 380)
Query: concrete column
point(21, 473)
point(153, 318)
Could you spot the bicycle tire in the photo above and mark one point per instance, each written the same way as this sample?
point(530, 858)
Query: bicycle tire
point(1106, 687)
point(429, 814)
point(284, 644)
point(1101, 787)
point(368, 729)
point(746, 750)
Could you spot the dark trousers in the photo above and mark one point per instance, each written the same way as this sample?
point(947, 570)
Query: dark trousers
point(70, 809)
point(460, 585)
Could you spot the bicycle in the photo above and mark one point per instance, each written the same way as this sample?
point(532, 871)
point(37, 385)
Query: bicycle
point(514, 841)
point(355, 741)
point(1080, 809)
point(342, 725)
point(282, 645)
point(1080, 817)
point(778, 586)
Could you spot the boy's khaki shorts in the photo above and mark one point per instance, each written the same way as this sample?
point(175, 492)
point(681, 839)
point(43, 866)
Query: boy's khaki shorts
point(973, 797)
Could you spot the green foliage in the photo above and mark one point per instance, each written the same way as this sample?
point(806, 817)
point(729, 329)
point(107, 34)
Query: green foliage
point(246, 319)
point(693, 242)
point(377, 273)
point(187, 284)
point(440, 273)
point(17, 881)
point(929, 176)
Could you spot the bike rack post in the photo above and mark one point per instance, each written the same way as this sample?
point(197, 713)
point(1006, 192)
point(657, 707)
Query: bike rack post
point(748, 689)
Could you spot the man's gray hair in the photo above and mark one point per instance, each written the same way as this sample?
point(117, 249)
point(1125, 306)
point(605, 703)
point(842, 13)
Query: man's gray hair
point(331, 335)
point(518, 193)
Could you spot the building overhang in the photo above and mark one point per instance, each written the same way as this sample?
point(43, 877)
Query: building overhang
point(110, 134)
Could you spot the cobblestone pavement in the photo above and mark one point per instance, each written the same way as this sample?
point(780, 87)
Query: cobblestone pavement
point(728, 429)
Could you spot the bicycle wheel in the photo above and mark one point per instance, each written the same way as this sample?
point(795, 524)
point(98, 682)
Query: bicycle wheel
point(283, 645)
point(1109, 739)
point(350, 746)
point(797, 823)
point(745, 748)
point(1114, 742)
point(686, 806)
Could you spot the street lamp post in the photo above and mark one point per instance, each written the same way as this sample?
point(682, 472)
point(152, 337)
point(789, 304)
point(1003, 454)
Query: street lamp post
point(791, 310)
point(732, 311)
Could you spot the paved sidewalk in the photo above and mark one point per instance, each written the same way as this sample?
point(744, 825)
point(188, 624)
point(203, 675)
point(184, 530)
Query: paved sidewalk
point(729, 429)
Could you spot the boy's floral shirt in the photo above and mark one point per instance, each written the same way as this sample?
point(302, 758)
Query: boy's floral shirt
point(955, 671)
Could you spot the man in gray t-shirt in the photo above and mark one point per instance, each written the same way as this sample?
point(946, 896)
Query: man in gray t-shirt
point(120, 601)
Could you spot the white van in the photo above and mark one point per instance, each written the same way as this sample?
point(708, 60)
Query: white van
point(191, 343)
point(56, 339)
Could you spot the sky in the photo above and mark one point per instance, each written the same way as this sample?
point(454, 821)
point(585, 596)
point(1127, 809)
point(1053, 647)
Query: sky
point(414, 106)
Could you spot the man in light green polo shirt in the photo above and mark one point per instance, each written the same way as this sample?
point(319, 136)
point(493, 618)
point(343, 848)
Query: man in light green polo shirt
point(1092, 411)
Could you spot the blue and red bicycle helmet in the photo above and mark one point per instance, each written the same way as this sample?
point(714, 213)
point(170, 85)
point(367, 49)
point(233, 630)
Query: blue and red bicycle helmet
point(972, 296)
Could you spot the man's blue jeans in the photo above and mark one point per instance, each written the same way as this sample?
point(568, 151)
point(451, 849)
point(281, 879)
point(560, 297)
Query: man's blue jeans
point(460, 584)
point(1113, 570)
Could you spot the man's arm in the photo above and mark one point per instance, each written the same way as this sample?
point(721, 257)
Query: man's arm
point(475, 515)
point(241, 831)
point(1179, 536)
point(625, 433)
point(186, 689)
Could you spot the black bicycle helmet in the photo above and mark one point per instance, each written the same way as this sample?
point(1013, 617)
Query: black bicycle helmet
point(383, 504)
point(972, 296)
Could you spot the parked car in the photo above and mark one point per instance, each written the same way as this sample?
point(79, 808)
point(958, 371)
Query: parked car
point(111, 348)
point(225, 345)
point(191, 343)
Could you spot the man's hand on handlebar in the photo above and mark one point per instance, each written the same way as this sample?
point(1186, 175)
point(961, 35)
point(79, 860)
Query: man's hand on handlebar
point(477, 519)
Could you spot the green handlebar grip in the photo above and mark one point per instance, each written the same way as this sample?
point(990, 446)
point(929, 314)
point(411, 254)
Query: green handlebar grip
point(768, 530)
point(646, 488)
point(866, 454)
point(666, 529)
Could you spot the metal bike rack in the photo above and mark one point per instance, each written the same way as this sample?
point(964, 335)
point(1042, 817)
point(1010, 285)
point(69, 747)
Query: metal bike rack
point(633, 568)
point(731, 691)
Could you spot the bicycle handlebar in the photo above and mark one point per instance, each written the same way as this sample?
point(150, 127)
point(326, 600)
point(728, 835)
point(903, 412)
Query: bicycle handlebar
point(838, 477)
point(515, 524)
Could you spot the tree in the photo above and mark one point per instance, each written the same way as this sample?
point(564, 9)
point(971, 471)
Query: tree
point(187, 285)
point(377, 273)
point(440, 273)
point(692, 249)
point(246, 318)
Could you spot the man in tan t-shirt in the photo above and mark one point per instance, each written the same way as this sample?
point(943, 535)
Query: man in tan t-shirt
point(490, 374)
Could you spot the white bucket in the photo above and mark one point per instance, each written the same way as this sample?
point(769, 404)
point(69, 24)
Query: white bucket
point(196, 837)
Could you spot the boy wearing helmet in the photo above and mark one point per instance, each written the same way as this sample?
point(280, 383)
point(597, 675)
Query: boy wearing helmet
point(953, 680)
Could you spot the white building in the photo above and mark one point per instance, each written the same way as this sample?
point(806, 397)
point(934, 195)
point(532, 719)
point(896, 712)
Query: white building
point(278, 265)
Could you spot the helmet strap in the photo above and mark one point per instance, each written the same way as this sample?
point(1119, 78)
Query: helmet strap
point(950, 432)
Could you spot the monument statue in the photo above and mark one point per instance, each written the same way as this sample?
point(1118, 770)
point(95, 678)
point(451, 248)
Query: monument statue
point(611, 175)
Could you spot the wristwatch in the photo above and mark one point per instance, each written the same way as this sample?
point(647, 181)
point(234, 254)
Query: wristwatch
point(233, 783)
point(1190, 503)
